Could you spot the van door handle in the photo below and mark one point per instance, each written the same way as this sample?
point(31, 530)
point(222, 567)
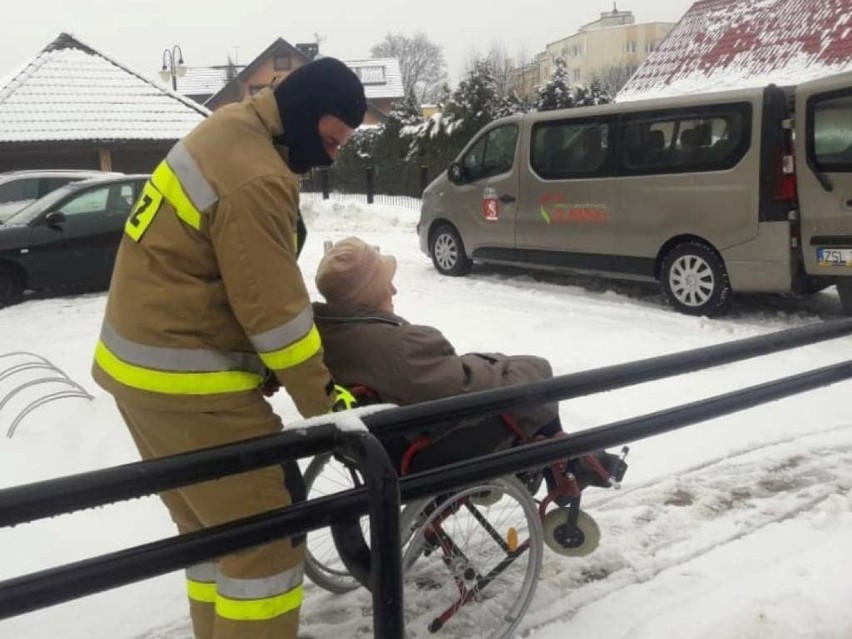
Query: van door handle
point(507, 199)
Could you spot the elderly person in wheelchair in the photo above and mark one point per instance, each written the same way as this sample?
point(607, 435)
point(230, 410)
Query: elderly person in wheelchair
point(381, 356)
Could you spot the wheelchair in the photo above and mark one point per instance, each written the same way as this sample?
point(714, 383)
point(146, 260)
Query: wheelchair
point(471, 557)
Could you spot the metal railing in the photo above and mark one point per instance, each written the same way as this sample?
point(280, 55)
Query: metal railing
point(379, 497)
point(56, 376)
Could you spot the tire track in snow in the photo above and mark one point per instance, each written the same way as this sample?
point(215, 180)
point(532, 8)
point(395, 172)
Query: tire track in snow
point(659, 527)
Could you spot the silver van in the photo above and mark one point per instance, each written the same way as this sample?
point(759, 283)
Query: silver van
point(747, 191)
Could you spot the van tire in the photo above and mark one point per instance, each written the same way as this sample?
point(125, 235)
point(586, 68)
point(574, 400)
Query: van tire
point(447, 251)
point(844, 289)
point(694, 280)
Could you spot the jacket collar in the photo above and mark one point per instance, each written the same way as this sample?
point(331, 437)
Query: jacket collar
point(339, 313)
point(264, 105)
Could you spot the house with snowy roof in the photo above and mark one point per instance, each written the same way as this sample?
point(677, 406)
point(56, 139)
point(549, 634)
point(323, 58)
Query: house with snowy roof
point(382, 78)
point(732, 44)
point(72, 106)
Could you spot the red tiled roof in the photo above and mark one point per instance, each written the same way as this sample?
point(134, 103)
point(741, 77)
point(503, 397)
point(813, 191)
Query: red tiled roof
point(723, 44)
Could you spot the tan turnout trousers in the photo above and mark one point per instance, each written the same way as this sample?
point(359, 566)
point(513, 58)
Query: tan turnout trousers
point(253, 594)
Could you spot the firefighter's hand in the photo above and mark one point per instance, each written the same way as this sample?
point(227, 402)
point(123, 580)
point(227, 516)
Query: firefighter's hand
point(343, 399)
point(270, 384)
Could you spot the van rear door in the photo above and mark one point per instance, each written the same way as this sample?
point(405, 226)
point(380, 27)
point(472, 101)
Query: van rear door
point(824, 174)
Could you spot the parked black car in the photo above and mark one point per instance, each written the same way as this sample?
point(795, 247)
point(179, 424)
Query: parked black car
point(67, 240)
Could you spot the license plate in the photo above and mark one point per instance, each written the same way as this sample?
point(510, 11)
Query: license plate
point(834, 256)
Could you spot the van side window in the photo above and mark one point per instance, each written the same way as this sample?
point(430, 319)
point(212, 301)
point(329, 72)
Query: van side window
point(679, 142)
point(832, 131)
point(491, 155)
point(564, 150)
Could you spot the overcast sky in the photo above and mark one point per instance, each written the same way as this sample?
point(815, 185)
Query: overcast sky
point(137, 31)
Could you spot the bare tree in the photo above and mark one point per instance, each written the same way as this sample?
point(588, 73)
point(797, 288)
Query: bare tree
point(421, 62)
point(612, 79)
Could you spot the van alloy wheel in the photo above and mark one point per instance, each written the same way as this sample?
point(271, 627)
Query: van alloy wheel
point(691, 280)
point(448, 254)
point(695, 281)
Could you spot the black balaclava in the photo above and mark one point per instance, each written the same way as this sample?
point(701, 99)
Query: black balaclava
point(322, 87)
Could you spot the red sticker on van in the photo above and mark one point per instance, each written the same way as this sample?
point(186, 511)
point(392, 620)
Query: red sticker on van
point(555, 209)
point(490, 205)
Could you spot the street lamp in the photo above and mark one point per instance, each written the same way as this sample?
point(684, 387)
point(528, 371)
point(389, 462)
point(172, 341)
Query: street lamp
point(173, 66)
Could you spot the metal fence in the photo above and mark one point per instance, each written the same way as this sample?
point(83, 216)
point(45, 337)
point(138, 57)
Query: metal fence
point(381, 496)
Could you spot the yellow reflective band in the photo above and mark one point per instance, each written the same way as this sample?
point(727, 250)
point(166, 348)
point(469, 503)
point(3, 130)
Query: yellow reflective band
point(143, 212)
point(169, 185)
point(201, 591)
point(294, 354)
point(259, 609)
point(174, 383)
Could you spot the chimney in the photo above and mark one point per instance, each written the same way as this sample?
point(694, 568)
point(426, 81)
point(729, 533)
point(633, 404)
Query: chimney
point(310, 49)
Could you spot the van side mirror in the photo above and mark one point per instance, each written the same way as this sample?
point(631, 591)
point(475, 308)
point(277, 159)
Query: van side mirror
point(455, 173)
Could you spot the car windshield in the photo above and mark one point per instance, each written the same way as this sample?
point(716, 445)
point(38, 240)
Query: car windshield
point(34, 209)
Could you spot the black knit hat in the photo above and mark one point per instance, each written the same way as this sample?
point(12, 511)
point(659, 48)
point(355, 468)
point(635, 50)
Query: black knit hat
point(322, 87)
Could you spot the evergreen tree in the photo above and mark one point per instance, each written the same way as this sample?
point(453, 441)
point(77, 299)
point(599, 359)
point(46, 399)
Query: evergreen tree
point(593, 95)
point(556, 93)
point(512, 104)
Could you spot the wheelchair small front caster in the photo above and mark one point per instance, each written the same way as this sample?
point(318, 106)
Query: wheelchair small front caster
point(571, 541)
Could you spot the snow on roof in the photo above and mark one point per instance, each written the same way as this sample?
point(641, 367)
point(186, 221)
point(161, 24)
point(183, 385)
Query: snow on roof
point(204, 80)
point(381, 77)
point(734, 44)
point(71, 91)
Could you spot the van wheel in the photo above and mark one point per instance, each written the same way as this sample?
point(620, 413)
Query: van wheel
point(11, 286)
point(447, 250)
point(695, 281)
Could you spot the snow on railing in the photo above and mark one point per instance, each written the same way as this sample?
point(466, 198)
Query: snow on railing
point(51, 375)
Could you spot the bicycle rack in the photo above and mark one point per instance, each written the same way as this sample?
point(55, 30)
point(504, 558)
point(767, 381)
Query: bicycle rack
point(41, 363)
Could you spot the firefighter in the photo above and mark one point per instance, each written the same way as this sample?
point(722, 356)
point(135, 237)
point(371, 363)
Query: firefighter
point(208, 311)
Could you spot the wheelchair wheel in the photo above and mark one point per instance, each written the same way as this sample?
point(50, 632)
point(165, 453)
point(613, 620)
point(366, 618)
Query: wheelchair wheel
point(472, 566)
point(324, 476)
point(579, 542)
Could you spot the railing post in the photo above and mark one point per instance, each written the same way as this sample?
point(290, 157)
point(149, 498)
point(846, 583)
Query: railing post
point(324, 183)
point(370, 184)
point(424, 178)
point(382, 484)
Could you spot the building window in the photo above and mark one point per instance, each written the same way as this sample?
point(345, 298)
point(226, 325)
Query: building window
point(577, 74)
point(282, 62)
point(649, 47)
point(630, 47)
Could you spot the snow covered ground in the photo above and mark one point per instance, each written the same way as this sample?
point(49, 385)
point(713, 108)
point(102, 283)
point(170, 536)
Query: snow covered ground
point(737, 528)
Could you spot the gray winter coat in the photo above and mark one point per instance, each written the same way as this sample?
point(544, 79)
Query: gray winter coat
point(407, 363)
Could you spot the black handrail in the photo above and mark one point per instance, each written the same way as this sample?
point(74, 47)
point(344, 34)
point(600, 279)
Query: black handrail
point(58, 496)
point(67, 494)
point(56, 585)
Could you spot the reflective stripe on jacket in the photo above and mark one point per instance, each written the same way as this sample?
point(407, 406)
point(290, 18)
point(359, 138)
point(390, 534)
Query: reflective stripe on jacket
point(206, 292)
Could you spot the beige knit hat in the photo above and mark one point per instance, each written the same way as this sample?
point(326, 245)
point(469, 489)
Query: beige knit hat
point(353, 272)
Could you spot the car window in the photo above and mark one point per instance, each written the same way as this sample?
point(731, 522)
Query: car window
point(678, 142)
point(493, 154)
point(564, 150)
point(92, 201)
point(832, 132)
point(19, 190)
point(53, 183)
